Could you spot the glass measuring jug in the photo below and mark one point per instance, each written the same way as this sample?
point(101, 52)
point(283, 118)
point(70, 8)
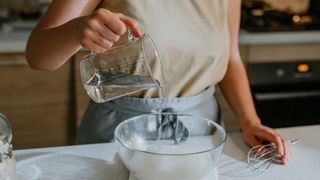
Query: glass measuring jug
point(124, 69)
point(7, 162)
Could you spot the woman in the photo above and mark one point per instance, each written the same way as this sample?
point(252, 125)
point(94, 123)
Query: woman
point(198, 44)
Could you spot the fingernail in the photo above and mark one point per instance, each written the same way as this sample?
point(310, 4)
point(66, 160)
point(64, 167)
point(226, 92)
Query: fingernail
point(280, 152)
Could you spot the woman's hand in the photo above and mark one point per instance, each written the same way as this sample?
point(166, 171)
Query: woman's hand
point(101, 29)
point(256, 133)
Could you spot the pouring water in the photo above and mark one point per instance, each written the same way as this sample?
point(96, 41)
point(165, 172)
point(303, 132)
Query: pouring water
point(126, 69)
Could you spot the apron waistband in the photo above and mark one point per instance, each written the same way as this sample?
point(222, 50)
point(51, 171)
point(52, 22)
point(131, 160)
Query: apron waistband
point(146, 105)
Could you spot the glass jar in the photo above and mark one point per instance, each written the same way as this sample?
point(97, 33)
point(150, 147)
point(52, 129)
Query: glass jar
point(7, 161)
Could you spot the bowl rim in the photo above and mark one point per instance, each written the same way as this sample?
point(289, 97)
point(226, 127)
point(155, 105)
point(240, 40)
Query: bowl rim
point(218, 126)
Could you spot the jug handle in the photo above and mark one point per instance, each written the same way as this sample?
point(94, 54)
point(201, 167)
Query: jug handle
point(130, 35)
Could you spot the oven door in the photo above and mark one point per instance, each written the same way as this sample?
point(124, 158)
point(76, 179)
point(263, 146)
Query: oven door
point(288, 108)
point(285, 97)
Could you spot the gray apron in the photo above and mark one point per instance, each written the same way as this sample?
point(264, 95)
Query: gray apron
point(100, 120)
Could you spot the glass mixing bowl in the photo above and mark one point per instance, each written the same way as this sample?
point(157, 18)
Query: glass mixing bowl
point(152, 156)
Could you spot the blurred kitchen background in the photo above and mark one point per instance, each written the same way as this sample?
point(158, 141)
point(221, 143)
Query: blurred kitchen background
point(279, 43)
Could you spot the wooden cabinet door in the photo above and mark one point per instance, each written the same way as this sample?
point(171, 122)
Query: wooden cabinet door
point(37, 103)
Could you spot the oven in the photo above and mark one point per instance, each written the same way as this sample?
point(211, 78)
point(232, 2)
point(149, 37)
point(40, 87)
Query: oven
point(286, 93)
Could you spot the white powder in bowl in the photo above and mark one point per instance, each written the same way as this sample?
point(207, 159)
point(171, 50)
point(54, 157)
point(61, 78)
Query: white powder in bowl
point(148, 166)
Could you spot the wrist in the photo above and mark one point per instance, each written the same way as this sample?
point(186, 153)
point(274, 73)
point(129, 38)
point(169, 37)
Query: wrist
point(77, 26)
point(249, 121)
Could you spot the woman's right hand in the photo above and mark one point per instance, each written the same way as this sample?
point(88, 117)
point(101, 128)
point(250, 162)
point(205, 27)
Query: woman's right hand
point(102, 28)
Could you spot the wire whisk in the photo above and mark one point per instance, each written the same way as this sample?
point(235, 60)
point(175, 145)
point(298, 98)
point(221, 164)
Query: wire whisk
point(261, 157)
point(257, 161)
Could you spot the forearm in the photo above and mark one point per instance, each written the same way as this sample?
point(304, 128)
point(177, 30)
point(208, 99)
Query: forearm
point(49, 48)
point(235, 87)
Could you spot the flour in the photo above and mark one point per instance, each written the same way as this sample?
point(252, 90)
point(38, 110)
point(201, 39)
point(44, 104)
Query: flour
point(148, 166)
point(212, 175)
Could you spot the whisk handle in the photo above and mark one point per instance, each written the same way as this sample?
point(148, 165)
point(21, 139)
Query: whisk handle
point(295, 141)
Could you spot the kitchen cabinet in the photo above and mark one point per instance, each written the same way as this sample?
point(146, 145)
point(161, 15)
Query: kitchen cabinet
point(38, 104)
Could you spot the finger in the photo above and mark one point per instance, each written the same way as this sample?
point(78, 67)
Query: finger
point(272, 136)
point(109, 35)
point(131, 23)
point(287, 149)
point(111, 21)
point(284, 157)
point(106, 44)
point(98, 40)
point(279, 145)
point(90, 45)
point(104, 31)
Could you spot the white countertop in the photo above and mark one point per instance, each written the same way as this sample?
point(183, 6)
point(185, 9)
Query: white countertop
point(14, 36)
point(100, 161)
point(13, 42)
point(298, 37)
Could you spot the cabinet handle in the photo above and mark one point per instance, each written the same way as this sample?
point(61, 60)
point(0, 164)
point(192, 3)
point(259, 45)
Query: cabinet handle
point(13, 62)
point(286, 95)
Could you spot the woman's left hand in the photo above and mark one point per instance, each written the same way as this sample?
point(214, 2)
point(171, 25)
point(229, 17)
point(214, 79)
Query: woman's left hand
point(256, 133)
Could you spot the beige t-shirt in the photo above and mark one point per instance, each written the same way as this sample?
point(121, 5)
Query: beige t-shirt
point(191, 36)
